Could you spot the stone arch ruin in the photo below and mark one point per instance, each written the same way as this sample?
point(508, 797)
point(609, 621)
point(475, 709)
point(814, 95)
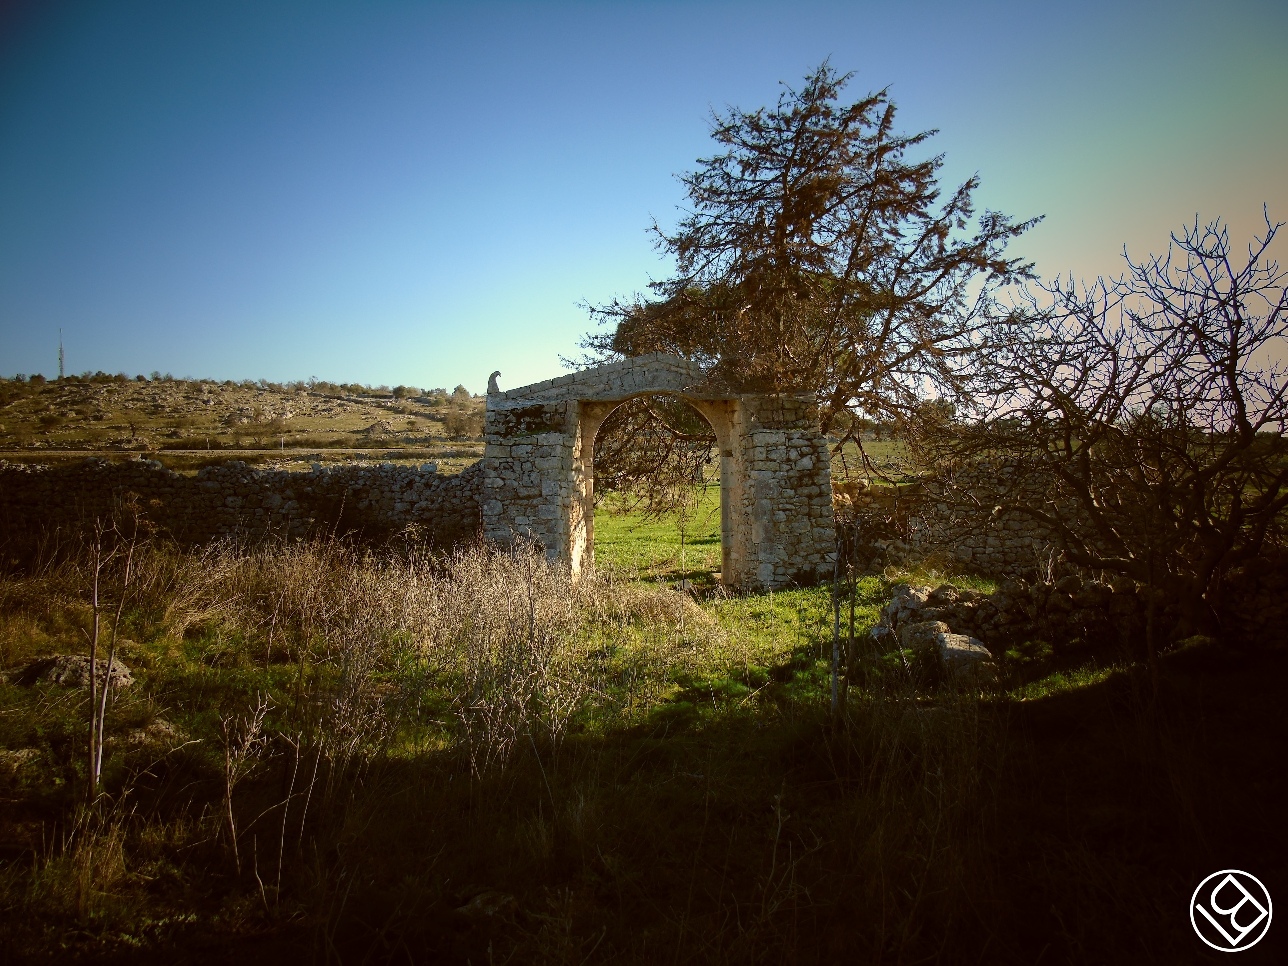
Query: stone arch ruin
point(775, 478)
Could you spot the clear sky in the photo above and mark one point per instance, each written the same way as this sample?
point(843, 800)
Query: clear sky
point(420, 193)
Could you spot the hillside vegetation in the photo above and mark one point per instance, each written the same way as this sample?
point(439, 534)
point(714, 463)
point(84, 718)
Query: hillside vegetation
point(115, 413)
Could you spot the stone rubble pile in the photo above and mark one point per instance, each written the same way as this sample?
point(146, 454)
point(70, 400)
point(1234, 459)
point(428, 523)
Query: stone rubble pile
point(965, 630)
point(72, 671)
point(913, 620)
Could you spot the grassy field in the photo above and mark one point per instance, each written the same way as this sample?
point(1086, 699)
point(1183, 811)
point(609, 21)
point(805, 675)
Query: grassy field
point(358, 756)
point(666, 548)
point(364, 755)
point(887, 459)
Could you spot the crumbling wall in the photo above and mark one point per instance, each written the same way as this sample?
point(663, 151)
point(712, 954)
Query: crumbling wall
point(234, 498)
point(963, 516)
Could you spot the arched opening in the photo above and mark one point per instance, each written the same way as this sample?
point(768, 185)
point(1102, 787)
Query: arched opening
point(656, 488)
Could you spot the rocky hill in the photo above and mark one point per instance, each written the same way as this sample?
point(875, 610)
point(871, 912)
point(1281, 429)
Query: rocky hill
point(105, 414)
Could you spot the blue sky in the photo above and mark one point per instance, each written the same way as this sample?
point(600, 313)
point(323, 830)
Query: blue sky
point(420, 193)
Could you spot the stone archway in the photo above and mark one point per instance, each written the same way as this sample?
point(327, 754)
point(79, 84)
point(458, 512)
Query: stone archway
point(718, 415)
point(775, 478)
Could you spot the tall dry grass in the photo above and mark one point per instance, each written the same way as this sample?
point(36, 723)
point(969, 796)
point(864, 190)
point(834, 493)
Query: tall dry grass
point(304, 676)
point(506, 635)
point(369, 736)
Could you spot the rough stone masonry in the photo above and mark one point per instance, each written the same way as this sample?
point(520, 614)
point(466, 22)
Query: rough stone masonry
point(233, 499)
point(775, 479)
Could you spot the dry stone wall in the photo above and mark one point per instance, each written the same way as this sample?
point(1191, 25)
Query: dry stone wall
point(234, 498)
point(1071, 615)
point(962, 515)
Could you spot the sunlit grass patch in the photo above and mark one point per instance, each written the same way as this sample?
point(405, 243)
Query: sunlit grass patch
point(1059, 682)
point(932, 573)
point(668, 548)
point(889, 457)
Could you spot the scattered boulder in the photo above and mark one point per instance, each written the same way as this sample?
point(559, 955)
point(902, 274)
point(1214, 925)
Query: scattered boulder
point(965, 660)
point(72, 671)
point(921, 635)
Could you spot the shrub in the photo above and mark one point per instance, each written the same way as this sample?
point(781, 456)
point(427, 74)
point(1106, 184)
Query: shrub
point(462, 424)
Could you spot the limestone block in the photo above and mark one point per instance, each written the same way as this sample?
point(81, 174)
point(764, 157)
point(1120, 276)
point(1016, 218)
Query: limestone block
point(966, 661)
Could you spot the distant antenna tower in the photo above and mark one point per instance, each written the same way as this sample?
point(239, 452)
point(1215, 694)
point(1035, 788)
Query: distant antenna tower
point(60, 355)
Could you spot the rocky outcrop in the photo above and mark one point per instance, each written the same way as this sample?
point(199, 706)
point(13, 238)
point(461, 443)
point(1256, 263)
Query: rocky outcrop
point(72, 671)
point(965, 661)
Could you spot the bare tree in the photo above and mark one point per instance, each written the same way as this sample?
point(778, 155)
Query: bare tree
point(1155, 408)
point(658, 439)
point(111, 547)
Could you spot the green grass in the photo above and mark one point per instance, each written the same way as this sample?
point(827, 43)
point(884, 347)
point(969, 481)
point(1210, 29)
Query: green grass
point(890, 457)
point(932, 573)
point(655, 548)
point(1059, 682)
point(694, 803)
